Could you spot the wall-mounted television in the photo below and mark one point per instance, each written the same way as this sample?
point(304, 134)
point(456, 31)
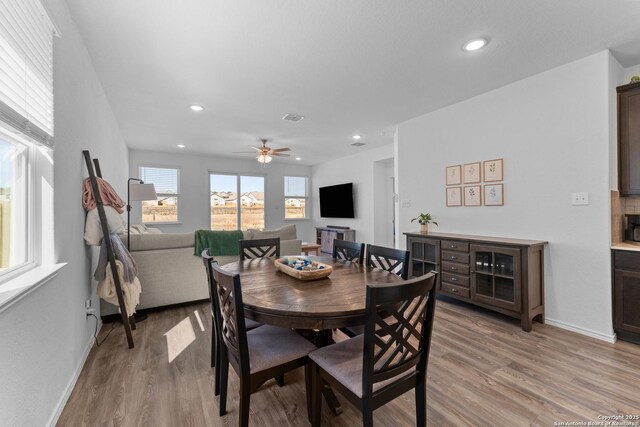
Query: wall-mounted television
point(336, 201)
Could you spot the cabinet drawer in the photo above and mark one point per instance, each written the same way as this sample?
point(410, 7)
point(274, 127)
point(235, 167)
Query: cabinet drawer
point(455, 257)
point(450, 245)
point(455, 279)
point(455, 290)
point(454, 267)
point(627, 260)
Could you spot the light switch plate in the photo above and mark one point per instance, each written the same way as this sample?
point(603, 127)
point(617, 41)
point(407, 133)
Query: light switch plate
point(405, 203)
point(580, 199)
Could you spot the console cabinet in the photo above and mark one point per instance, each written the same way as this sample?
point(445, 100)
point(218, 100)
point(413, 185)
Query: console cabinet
point(347, 234)
point(504, 275)
point(626, 295)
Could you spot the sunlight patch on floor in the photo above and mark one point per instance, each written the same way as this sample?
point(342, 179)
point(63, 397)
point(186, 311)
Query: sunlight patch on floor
point(178, 338)
point(197, 314)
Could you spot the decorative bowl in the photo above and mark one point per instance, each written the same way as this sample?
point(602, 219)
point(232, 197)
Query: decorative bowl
point(303, 268)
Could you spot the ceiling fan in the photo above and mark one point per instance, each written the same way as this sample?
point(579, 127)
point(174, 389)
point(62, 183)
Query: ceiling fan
point(265, 153)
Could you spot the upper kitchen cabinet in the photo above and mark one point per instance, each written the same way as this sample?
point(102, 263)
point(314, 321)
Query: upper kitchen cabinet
point(629, 139)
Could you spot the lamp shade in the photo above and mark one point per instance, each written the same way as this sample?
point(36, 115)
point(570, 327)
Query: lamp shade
point(140, 192)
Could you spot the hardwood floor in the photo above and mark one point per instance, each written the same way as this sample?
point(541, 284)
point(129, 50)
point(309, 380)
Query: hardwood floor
point(483, 371)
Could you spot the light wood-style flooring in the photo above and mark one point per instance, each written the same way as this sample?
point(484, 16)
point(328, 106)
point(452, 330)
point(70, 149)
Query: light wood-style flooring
point(483, 371)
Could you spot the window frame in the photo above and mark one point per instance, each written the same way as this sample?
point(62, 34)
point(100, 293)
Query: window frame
point(307, 207)
point(30, 208)
point(161, 195)
point(238, 184)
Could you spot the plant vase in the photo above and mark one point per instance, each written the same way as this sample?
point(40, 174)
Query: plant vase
point(424, 228)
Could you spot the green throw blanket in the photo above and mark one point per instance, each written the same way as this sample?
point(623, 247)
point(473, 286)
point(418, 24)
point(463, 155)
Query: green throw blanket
point(220, 243)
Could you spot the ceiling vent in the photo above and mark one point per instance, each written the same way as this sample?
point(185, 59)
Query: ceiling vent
point(293, 117)
point(358, 144)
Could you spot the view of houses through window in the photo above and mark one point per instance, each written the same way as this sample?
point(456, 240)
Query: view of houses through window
point(236, 199)
point(295, 197)
point(13, 204)
point(167, 184)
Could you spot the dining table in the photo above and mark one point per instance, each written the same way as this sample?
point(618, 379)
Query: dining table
point(337, 301)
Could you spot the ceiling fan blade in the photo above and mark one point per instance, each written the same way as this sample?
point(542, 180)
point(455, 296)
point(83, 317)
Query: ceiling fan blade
point(242, 152)
point(255, 148)
point(279, 155)
point(275, 150)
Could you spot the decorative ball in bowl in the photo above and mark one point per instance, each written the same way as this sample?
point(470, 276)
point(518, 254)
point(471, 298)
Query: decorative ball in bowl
point(303, 268)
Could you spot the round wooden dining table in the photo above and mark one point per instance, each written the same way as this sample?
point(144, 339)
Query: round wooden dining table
point(273, 297)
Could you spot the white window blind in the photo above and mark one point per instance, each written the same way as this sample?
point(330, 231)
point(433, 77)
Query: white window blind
point(26, 69)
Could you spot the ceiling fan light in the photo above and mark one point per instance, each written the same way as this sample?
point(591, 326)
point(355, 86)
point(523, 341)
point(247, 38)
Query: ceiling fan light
point(264, 158)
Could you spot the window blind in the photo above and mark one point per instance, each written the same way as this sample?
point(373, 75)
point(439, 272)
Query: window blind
point(26, 69)
point(164, 179)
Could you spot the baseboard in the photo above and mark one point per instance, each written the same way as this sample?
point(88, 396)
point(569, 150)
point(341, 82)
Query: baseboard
point(63, 400)
point(597, 335)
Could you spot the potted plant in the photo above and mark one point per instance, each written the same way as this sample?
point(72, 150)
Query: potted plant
point(424, 219)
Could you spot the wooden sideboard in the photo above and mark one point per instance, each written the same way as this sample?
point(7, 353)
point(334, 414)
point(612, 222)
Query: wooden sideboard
point(504, 275)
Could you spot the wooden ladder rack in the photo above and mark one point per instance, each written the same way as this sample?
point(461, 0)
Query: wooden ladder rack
point(128, 321)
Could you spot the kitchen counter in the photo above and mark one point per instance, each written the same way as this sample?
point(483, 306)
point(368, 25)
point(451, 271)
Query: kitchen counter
point(626, 246)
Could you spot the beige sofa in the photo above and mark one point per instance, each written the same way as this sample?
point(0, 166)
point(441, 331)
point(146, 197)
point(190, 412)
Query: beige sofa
point(170, 273)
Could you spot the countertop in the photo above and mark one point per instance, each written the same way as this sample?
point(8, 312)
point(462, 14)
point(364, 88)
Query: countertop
point(626, 246)
point(479, 239)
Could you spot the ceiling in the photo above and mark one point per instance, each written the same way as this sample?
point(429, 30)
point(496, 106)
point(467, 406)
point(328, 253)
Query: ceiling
point(350, 67)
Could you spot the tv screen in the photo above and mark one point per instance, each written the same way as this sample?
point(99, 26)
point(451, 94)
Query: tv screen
point(336, 201)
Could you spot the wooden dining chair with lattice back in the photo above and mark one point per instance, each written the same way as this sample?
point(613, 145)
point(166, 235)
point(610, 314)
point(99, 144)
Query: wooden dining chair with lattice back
point(389, 359)
point(348, 251)
point(390, 259)
point(393, 260)
point(259, 248)
point(258, 355)
point(208, 261)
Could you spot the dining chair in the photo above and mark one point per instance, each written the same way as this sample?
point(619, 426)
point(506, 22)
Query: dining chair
point(216, 340)
point(259, 248)
point(256, 355)
point(348, 251)
point(393, 260)
point(389, 359)
point(390, 259)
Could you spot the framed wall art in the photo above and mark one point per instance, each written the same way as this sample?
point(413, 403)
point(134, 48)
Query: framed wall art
point(494, 195)
point(493, 170)
point(454, 196)
point(453, 175)
point(473, 195)
point(471, 173)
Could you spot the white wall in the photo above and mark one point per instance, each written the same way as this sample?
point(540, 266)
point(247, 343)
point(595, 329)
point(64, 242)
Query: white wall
point(359, 169)
point(553, 132)
point(193, 207)
point(45, 336)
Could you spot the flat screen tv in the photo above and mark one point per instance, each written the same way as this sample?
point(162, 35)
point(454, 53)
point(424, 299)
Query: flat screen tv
point(336, 201)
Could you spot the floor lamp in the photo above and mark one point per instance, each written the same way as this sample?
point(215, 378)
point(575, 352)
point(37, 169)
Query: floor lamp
point(136, 193)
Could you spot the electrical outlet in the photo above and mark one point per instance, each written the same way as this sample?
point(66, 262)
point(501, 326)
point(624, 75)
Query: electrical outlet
point(87, 304)
point(580, 199)
point(90, 310)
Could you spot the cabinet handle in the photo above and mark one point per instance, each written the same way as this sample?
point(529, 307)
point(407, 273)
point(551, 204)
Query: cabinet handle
point(453, 279)
point(454, 257)
point(454, 290)
point(453, 268)
point(453, 246)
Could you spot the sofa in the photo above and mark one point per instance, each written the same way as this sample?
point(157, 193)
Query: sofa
point(170, 273)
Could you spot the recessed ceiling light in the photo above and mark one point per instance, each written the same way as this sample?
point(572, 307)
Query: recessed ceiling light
point(474, 44)
point(356, 137)
point(298, 158)
point(180, 145)
point(196, 107)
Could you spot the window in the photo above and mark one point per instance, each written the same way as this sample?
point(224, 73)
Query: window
point(14, 204)
point(296, 196)
point(236, 199)
point(167, 183)
point(26, 120)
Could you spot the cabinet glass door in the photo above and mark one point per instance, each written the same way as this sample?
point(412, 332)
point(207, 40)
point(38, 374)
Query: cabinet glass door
point(495, 277)
point(425, 255)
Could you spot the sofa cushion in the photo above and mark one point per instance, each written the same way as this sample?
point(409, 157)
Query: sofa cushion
point(288, 232)
point(148, 242)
